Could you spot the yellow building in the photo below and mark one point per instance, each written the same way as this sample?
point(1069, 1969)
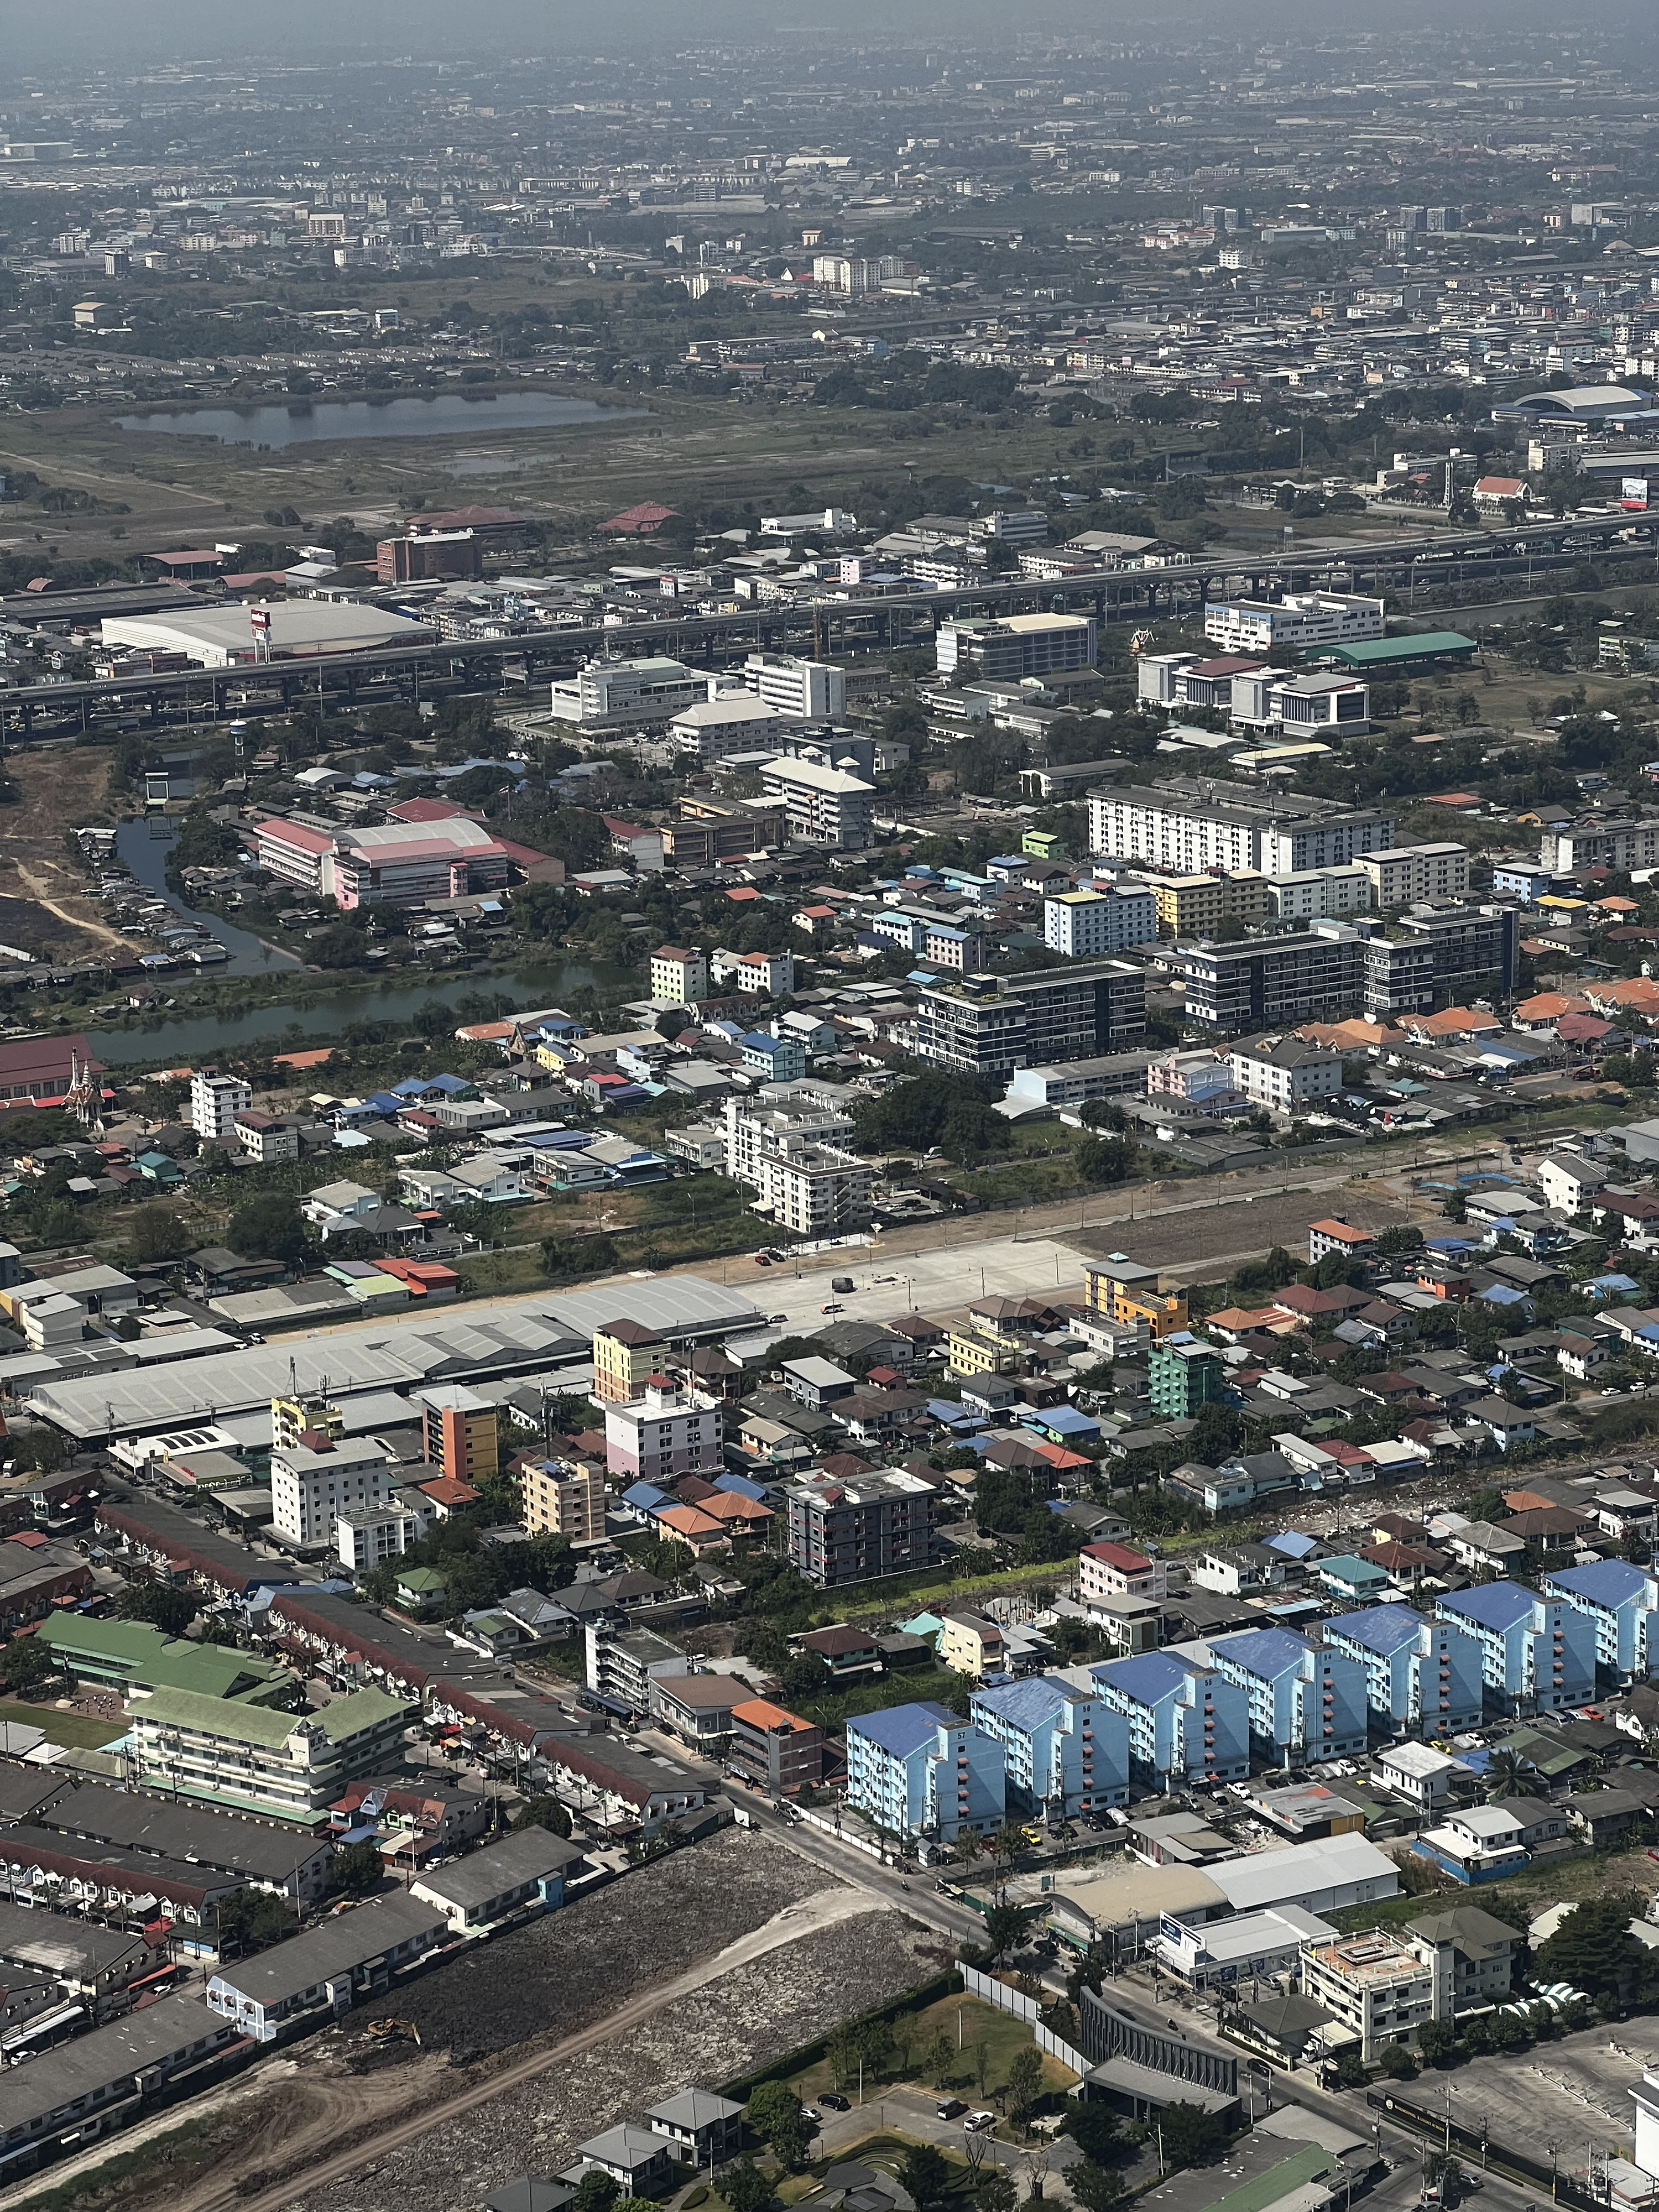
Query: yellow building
point(564, 1497)
point(970, 1645)
point(1129, 1304)
point(976, 1348)
point(624, 1356)
point(1191, 906)
point(291, 1417)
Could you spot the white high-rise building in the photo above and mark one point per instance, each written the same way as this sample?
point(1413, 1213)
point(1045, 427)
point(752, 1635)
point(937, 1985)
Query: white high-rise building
point(808, 690)
point(312, 1485)
point(215, 1100)
point(1086, 924)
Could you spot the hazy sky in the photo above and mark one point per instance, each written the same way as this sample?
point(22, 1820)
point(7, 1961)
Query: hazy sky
point(299, 30)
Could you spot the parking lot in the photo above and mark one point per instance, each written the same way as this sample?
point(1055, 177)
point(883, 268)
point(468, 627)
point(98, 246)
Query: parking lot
point(1574, 2093)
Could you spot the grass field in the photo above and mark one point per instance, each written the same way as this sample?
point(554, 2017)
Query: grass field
point(73, 1729)
point(984, 2044)
point(883, 2150)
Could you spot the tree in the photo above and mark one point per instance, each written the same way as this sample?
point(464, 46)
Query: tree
point(1092, 2127)
point(268, 1226)
point(1192, 2137)
point(939, 2057)
point(170, 1610)
point(24, 1661)
point(358, 1869)
point(774, 2113)
point(926, 2172)
point(1096, 2188)
point(743, 2187)
point(545, 1813)
point(1593, 1948)
point(1397, 2063)
point(1004, 1926)
point(1104, 1159)
point(995, 2191)
point(1509, 1775)
point(1437, 2039)
point(596, 2193)
point(1024, 2083)
point(158, 1233)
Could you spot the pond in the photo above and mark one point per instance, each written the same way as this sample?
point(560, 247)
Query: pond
point(448, 415)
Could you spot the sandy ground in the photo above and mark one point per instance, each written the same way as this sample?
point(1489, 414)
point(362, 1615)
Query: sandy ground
point(61, 791)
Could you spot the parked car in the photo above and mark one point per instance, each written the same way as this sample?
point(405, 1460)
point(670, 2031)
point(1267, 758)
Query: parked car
point(833, 2101)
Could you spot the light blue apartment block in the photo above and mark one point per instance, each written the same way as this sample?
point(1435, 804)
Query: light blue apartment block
point(1422, 1677)
point(1619, 1600)
point(1187, 1724)
point(1065, 1749)
point(1537, 1654)
point(923, 1770)
point(1305, 1702)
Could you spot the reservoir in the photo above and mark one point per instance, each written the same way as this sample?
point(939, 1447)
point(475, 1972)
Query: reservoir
point(448, 415)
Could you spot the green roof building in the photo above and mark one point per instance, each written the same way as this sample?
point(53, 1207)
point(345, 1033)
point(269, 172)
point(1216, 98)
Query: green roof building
point(1382, 656)
point(269, 1765)
point(132, 1656)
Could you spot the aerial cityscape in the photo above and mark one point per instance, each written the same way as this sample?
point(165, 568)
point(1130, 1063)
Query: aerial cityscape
point(829, 1111)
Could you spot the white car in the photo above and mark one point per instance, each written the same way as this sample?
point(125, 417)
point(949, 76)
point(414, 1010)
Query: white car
point(976, 2122)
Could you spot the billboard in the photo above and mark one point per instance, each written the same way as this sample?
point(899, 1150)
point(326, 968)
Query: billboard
point(1634, 493)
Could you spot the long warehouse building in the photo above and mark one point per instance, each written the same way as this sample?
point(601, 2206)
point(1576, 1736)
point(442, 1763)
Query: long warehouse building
point(407, 1354)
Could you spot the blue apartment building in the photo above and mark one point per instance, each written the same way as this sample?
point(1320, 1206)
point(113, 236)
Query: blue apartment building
point(1187, 1724)
point(1421, 1676)
point(922, 1771)
point(1537, 1654)
point(1065, 1749)
point(1306, 1703)
point(1619, 1600)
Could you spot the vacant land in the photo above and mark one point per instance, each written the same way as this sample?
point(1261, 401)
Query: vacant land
point(44, 906)
point(981, 2041)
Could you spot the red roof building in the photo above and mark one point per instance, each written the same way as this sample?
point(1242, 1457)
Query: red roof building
point(644, 521)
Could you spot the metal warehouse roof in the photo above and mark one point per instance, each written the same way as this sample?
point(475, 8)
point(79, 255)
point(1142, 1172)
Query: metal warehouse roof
point(403, 1352)
point(1388, 651)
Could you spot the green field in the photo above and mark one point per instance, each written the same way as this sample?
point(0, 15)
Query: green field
point(73, 1729)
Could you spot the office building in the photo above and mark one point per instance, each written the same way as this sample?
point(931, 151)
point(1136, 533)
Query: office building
point(1421, 1676)
point(1187, 1724)
point(1191, 824)
point(1182, 1374)
point(824, 806)
point(1537, 1654)
point(269, 1765)
point(922, 1771)
point(1280, 705)
point(1303, 621)
point(1403, 874)
point(1307, 1701)
point(563, 1497)
point(857, 1529)
point(1275, 982)
point(1377, 1985)
point(666, 1433)
point(990, 1025)
point(216, 1101)
point(460, 1432)
point(428, 556)
point(1065, 1750)
point(312, 1484)
point(1085, 924)
point(679, 978)
point(629, 694)
point(1008, 650)
point(1013, 525)
point(803, 690)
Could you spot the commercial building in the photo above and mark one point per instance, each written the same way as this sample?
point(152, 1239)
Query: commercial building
point(460, 1433)
point(1301, 621)
point(478, 1891)
point(322, 1973)
point(990, 1025)
point(1619, 1600)
point(1378, 1985)
point(774, 1748)
point(1474, 1954)
point(922, 1771)
point(312, 1484)
point(1017, 646)
point(1086, 924)
point(216, 1101)
point(1191, 823)
point(856, 1529)
point(629, 694)
point(563, 1497)
point(1250, 1946)
point(277, 1766)
point(253, 1852)
point(423, 555)
point(664, 1433)
point(1537, 1654)
point(804, 691)
point(1307, 1703)
point(1065, 1751)
point(1420, 1674)
point(711, 831)
point(825, 807)
point(223, 637)
point(1187, 1724)
point(1404, 874)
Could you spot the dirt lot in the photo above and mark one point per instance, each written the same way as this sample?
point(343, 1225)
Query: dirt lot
point(1195, 1240)
point(44, 907)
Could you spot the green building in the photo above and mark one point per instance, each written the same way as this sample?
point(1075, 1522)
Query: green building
point(1043, 844)
point(1184, 1373)
point(276, 1766)
point(133, 1658)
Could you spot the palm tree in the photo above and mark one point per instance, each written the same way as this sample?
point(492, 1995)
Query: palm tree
point(1509, 1775)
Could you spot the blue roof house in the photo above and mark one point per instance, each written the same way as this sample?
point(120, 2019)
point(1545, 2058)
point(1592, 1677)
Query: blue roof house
point(1065, 1750)
point(1187, 1724)
point(780, 1060)
point(922, 1771)
point(1422, 1677)
point(1537, 1654)
point(1619, 1600)
point(1305, 1702)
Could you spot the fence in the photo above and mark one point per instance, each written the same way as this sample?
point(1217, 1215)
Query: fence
point(848, 1836)
point(1026, 2008)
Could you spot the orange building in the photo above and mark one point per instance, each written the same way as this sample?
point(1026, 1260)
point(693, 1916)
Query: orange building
point(460, 1433)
